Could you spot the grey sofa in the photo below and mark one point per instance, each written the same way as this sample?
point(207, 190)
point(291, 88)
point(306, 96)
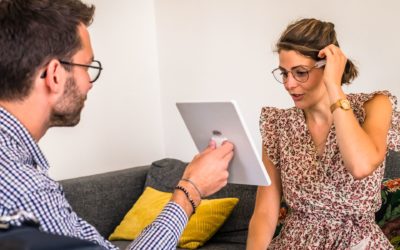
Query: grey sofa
point(104, 199)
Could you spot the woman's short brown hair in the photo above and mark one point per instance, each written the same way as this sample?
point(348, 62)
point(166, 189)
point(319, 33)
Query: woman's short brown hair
point(308, 37)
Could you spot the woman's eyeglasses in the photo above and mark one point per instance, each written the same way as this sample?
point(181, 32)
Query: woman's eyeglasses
point(299, 73)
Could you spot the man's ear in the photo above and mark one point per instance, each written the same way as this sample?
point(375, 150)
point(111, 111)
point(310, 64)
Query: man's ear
point(54, 76)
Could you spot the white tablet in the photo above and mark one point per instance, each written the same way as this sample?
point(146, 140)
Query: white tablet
point(220, 121)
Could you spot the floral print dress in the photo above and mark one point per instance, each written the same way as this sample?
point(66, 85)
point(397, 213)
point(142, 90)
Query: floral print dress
point(329, 209)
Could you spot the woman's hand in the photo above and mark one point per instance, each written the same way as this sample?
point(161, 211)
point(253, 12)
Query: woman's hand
point(335, 65)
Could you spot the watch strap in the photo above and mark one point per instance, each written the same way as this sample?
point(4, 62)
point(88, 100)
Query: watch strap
point(342, 103)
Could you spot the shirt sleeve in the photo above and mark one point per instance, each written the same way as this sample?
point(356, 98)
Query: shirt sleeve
point(269, 119)
point(165, 230)
point(27, 189)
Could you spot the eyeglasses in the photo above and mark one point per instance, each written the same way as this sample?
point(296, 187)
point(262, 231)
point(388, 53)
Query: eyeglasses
point(299, 73)
point(94, 69)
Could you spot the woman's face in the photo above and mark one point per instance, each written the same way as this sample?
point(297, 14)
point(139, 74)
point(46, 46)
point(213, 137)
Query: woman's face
point(304, 94)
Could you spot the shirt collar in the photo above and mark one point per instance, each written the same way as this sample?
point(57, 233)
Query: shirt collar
point(18, 132)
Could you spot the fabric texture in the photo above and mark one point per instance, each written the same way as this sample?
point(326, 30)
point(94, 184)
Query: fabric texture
point(89, 196)
point(29, 237)
point(25, 185)
point(164, 174)
point(328, 208)
point(392, 169)
point(123, 244)
point(210, 215)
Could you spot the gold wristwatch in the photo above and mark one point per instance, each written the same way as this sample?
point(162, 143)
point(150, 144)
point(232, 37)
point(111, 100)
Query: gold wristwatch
point(341, 103)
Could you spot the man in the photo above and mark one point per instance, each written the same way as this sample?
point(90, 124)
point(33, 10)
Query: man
point(47, 67)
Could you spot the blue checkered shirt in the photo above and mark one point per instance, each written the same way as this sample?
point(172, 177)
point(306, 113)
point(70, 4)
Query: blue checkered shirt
point(26, 186)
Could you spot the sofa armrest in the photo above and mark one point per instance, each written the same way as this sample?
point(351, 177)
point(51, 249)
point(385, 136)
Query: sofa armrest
point(104, 199)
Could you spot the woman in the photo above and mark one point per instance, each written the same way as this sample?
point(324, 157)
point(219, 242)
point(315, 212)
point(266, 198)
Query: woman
point(325, 155)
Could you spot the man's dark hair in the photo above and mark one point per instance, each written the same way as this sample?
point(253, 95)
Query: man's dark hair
point(32, 32)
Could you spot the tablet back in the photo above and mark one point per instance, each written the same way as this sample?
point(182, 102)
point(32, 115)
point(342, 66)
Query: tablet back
point(205, 120)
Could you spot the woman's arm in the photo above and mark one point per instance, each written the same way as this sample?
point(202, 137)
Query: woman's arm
point(266, 212)
point(363, 147)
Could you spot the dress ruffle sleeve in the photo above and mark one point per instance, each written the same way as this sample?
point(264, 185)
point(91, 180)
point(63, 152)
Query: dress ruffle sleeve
point(393, 138)
point(269, 119)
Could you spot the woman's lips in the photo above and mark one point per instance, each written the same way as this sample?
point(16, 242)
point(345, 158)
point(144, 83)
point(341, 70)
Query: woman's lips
point(297, 97)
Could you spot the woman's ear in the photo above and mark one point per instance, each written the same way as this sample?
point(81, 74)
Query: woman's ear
point(54, 76)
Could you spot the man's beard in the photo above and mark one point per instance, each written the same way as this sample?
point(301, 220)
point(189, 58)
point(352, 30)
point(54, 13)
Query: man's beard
point(67, 111)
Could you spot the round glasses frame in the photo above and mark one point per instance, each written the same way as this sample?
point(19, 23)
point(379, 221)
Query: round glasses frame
point(299, 73)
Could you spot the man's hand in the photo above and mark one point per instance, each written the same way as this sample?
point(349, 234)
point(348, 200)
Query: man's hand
point(204, 176)
point(209, 169)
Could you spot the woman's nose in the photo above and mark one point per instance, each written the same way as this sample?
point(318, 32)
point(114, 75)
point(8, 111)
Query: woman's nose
point(291, 82)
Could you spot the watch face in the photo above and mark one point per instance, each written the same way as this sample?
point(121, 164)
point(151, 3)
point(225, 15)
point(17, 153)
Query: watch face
point(345, 104)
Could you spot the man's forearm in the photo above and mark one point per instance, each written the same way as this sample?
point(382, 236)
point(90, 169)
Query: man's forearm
point(165, 231)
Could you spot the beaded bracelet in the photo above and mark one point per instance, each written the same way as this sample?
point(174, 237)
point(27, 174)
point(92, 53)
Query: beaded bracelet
point(194, 185)
point(184, 190)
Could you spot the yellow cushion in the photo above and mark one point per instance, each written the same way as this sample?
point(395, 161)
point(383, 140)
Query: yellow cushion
point(209, 217)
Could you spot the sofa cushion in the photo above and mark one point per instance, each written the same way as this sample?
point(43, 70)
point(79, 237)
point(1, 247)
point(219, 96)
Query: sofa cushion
point(104, 199)
point(164, 175)
point(210, 215)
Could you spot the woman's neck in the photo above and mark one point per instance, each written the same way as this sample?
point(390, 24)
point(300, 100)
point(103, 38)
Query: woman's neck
point(320, 112)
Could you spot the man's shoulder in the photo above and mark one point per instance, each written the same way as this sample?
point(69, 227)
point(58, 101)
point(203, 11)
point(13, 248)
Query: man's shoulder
point(11, 151)
point(15, 160)
point(20, 178)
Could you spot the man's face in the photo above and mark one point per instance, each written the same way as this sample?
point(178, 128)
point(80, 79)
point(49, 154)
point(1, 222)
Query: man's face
point(67, 110)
